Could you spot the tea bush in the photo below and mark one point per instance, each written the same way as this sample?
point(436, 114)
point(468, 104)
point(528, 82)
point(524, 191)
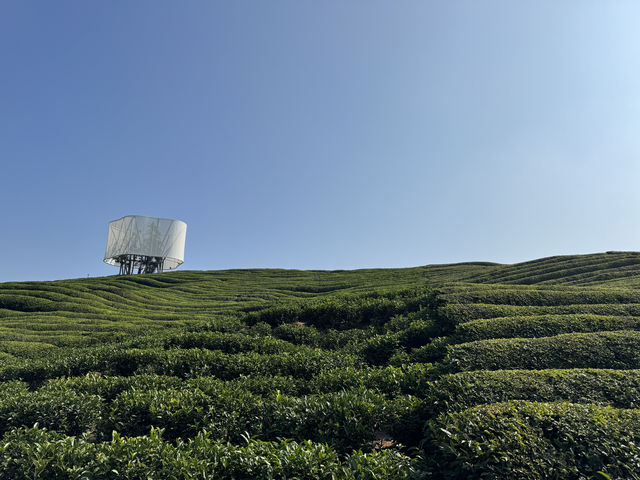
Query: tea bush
point(227, 412)
point(111, 360)
point(227, 342)
point(618, 350)
point(410, 379)
point(29, 453)
point(64, 411)
point(432, 352)
point(455, 392)
point(109, 387)
point(418, 333)
point(453, 314)
point(378, 349)
point(347, 311)
point(536, 440)
point(541, 326)
point(535, 296)
point(347, 420)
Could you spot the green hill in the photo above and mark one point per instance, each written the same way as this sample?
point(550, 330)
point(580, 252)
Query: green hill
point(472, 370)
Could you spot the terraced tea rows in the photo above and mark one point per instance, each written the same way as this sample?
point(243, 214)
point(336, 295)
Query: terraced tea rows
point(510, 372)
point(430, 372)
point(91, 311)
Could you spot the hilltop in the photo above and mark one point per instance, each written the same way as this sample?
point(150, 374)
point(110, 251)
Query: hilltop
point(469, 370)
point(97, 307)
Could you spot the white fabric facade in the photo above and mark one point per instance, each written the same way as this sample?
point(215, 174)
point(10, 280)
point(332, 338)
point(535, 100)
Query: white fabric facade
point(153, 237)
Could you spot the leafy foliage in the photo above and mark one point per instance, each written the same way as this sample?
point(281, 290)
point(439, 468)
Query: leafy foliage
point(28, 453)
point(572, 350)
point(456, 392)
point(537, 440)
point(369, 374)
point(541, 326)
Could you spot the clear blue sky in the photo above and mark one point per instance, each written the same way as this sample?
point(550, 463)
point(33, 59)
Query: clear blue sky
point(324, 135)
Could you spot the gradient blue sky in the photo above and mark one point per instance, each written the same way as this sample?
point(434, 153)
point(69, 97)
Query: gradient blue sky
point(319, 135)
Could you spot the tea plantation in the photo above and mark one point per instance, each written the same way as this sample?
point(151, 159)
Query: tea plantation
point(464, 371)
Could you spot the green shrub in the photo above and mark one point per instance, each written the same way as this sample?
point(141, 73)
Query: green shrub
point(227, 342)
point(405, 421)
point(298, 334)
point(618, 350)
point(24, 303)
point(34, 453)
point(226, 324)
point(347, 420)
point(455, 392)
point(65, 411)
point(12, 388)
point(453, 314)
point(265, 386)
point(109, 387)
point(25, 349)
point(134, 412)
point(260, 329)
point(196, 363)
point(565, 269)
point(304, 362)
point(409, 379)
point(182, 413)
point(28, 453)
point(541, 326)
point(538, 296)
point(379, 349)
point(536, 440)
point(398, 323)
point(432, 352)
point(348, 341)
point(346, 312)
point(418, 333)
point(303, 460)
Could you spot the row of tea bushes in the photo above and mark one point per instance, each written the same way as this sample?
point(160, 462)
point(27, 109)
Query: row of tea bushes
point(572, 269)
point(222, 324)
point(347, 419)
point(535, 296)
point(29, 453)
point(112, 360)
point(459, 391)
point(376, 349)
point(621, 272)
point(433, 352)
point(347, 312)
point(109, 387)
point(224, 342)
point(33, 303)
point(526, 440)
point(410, 379)
point(453, 314)
point(540, 326)
point(329, 339)
point(617, 350)
point(229, 413)
point(65, 411)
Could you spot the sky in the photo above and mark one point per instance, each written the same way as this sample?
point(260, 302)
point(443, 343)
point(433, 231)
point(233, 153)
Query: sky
point(318, 135)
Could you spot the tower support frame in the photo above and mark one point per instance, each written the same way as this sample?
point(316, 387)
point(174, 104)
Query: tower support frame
point(143, 263)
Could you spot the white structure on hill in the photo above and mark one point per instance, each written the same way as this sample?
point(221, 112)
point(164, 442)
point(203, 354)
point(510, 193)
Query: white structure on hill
point(147, 244)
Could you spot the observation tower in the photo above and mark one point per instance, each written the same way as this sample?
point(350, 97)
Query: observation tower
point(145, 244)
